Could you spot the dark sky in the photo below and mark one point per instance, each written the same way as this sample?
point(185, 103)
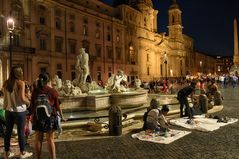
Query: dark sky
point(208, 22)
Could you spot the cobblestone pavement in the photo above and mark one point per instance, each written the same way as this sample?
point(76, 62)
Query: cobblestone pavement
point(219, 144)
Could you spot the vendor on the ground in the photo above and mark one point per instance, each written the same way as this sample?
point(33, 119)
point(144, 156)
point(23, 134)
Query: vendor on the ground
point(155, 118)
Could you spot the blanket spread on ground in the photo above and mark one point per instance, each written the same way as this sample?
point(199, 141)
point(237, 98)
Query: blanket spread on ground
point(201, 123)
point(163, 138)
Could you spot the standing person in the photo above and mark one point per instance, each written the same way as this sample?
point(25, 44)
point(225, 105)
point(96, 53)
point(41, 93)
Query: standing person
point(15, 105)
point(43, 87)
point(182, 98)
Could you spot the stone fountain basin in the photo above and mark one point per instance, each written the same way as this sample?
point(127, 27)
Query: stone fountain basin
point(129, 99)
point(103, 101)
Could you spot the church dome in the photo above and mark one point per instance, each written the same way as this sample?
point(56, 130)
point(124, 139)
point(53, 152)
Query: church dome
point(174, 5)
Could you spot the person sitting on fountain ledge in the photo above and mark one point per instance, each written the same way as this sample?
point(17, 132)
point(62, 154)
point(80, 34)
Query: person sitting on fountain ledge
point(154, 118)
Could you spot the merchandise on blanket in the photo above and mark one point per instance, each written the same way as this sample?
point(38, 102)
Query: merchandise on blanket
point(160, 137)
point(203, 123)
point(223, 119)
point(190, 121)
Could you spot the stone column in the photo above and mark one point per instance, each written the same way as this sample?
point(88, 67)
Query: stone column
point(236, 55)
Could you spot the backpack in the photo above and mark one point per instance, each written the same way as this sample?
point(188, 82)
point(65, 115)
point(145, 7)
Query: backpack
point(44, 111)
point(145, 118)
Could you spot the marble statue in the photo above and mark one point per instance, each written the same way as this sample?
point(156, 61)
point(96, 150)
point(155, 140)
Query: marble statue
point(137, 83)
point(114, 82)
point(82, 66)
point(56, 82)
point(68, 89)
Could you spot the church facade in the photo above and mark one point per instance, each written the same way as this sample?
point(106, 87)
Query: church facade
point(49, 33)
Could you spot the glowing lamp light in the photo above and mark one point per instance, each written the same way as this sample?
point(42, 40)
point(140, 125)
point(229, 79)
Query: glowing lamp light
point(10, 24)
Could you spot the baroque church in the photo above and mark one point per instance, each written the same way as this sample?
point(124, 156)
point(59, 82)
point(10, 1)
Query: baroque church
point(48, 34)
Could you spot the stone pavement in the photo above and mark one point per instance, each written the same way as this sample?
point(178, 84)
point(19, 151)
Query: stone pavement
point(222, 143)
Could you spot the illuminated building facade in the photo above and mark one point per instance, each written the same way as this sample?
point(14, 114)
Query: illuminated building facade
point(49, 33)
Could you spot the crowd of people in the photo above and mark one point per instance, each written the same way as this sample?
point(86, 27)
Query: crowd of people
point(38, 105)
point(190, 103)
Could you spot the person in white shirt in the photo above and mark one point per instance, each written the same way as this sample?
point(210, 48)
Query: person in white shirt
point(15, 106)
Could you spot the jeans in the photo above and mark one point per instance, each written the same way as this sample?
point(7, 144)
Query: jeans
point(184, 102)
point(20, 119)
point(2, 127)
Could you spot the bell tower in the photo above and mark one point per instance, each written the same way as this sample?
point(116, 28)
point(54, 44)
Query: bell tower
point(175, 28)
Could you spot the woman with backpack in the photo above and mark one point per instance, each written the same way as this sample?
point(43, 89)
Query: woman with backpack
point(15, 105)
point(44, 107)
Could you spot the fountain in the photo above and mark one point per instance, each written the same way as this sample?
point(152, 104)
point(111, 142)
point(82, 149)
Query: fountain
point(82, 95)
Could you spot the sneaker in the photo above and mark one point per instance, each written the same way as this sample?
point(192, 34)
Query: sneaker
point(8, 155)
point(25, 155)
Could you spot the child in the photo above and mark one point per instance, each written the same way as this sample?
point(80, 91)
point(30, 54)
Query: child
point(28, 129)
point(59, 118)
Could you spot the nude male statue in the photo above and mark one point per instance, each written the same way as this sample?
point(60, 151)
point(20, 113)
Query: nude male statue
point(82, 65)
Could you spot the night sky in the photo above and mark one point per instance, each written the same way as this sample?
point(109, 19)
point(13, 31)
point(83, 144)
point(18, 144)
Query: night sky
point(208, 22)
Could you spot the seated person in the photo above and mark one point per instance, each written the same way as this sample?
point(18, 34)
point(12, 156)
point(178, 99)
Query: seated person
point(155, 120)
point(203, 101)
point(153, 104)
point(217, 97)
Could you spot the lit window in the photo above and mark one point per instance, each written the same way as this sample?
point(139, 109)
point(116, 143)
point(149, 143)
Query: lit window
point(97, 34)
point(85, 30)
point(132, 55)
point(117, 38)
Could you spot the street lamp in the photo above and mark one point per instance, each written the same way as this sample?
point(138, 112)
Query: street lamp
point(165, 62)
point(165, 81)
point(10, 27)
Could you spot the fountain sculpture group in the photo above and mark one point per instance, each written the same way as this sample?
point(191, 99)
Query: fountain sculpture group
point(83, 94)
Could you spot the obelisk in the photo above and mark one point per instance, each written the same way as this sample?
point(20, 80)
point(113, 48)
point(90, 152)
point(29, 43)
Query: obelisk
point(236, 55)
point(235, 68)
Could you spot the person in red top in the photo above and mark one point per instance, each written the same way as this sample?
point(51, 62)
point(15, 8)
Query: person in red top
point(42, 87)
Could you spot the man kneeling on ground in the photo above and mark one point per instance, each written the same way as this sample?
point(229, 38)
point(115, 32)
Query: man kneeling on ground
point(155, 120)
